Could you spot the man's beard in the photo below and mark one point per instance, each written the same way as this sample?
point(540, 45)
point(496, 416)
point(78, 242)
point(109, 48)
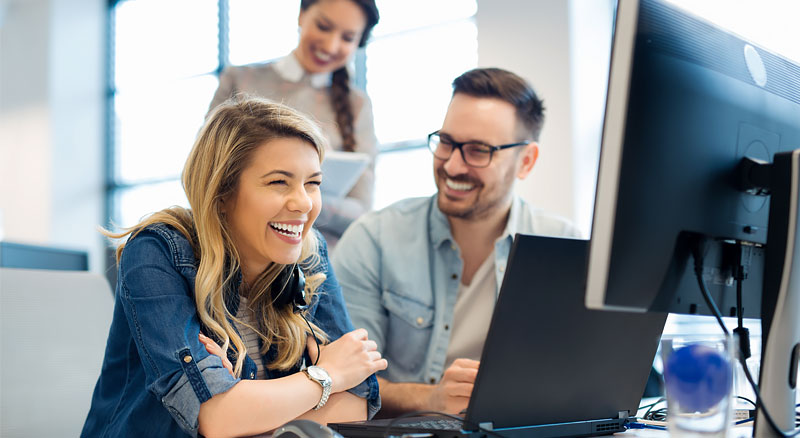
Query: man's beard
point(468, 212)
point(479, 208)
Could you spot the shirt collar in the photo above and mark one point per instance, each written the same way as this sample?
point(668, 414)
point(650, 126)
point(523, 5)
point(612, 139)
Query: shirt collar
point(289, 69)
point(513, 219)
point(440, 227)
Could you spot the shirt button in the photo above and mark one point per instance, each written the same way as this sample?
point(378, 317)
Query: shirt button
point(433, 380)
point(252, 375)
point(447, 327)
point(455, 276)
point(502, 268)
point(187, 358)
point(420, 320)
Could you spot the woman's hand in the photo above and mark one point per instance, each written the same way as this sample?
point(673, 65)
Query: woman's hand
point(349, 360)
point(216, 350)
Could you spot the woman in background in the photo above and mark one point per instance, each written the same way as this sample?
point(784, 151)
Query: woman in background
point(314, 80)
point(244, 276)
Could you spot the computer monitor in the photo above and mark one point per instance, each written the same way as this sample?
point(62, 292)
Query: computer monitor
point(23, 255)
point(690, 111)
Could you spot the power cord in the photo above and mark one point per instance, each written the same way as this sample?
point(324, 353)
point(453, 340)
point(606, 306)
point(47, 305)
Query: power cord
point(657, 414)
point(697, 252)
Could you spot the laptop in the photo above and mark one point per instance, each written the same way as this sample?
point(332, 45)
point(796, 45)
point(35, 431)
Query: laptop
point(549, 366)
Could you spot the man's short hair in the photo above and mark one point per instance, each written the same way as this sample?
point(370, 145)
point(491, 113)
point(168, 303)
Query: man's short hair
point(504, 85)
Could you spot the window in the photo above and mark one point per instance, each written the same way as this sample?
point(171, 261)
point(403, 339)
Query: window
point(164, 64)
point(416, 51)
point(166, 56)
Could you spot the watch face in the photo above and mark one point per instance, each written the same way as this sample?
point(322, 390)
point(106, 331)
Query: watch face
point(317, 373)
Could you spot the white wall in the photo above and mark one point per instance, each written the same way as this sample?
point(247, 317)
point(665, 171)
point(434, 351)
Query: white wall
point(52, 110)
point(561, 47)
point(51, 123)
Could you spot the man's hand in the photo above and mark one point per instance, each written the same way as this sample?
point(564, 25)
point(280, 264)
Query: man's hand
point(451, 394)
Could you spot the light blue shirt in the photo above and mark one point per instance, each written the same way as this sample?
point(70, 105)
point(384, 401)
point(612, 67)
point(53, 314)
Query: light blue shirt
point(400, 270)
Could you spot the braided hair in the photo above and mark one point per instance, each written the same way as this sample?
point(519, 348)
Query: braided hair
point(339, 90)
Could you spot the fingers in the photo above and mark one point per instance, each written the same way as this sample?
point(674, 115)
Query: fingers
point(466, 363)
point(457, 374)
point(458, 389)
point(457, 405)
point(379, 364)
point(370, 345)
point(359, 333)
point(216, 350)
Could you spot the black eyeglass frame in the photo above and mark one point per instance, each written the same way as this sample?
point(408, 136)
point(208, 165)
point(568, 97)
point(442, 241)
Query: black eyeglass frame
point(459, 146)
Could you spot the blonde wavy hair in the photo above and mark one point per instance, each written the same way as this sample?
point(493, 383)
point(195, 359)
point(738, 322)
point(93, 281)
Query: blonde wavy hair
point(224, 145)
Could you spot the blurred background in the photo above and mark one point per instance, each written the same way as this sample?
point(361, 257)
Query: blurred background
point(100, 100)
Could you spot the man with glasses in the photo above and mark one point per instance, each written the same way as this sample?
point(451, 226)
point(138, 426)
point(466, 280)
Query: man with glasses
point(422, 275)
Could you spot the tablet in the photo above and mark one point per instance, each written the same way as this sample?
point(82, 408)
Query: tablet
point(341, 170)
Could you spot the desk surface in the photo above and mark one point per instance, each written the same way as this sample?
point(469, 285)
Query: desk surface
point(736, 432)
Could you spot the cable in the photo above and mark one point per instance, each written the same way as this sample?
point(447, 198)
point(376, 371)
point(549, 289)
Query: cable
point(640, 425)
point(655, 415)
point(316, 341)
point(652, 404)
point(740, 276)
point(387, 430)
point(698, 269)
point(746, 399)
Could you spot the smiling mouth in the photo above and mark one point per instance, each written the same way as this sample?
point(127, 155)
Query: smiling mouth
point(459, 186)
point(288, 230)
point(322, 56)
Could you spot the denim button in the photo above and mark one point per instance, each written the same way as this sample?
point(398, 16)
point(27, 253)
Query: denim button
point(420, 320)
point(252, 375)
point(433, 380)
point(187, 358)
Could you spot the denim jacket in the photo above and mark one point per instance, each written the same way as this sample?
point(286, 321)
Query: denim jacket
point(156, 373)
point(400, 271)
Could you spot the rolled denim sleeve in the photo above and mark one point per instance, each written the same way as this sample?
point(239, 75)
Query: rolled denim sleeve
point(160, 310)
point(330, 314)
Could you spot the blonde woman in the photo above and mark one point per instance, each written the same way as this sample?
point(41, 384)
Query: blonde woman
point(232, 269)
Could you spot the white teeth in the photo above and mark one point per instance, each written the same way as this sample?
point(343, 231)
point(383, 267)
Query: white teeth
point(322, 56)
point(458, 186)
point(287, 229)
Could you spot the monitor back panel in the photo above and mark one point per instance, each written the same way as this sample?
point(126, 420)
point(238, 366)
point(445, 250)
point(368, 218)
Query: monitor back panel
point(548, 359)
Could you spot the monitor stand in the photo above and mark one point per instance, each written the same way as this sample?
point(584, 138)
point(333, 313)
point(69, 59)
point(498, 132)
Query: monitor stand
point(780, 301)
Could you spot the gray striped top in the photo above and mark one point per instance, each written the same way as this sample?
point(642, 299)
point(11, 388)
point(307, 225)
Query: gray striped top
point(249, 336)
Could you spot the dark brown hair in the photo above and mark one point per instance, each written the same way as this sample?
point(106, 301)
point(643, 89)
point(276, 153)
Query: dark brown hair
point(340, 81)
point(504, 85)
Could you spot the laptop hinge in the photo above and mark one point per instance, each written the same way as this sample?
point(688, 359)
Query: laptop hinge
point(488, 425)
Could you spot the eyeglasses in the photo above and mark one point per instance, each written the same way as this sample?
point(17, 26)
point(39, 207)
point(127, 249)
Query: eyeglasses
point(475, 154)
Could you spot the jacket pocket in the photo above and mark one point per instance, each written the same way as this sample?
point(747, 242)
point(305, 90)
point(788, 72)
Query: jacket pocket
point(409, 332)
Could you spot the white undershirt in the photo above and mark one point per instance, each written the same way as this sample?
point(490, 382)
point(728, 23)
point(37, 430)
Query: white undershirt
point(473, 314)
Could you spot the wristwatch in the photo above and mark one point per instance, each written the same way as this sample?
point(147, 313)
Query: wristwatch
point(319, 375)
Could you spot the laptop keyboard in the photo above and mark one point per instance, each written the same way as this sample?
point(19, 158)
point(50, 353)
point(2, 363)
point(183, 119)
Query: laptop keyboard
point(437, 424)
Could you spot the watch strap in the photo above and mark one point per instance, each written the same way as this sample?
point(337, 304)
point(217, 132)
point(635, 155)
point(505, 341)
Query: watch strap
point(326, 389)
